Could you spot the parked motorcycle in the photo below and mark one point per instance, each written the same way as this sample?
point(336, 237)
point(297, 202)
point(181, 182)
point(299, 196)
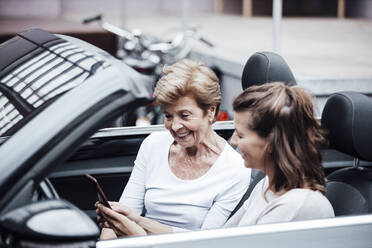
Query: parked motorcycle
point(148, 55)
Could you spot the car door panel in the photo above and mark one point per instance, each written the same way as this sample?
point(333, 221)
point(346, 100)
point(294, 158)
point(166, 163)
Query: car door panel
point(110, 161)
point(79, 191)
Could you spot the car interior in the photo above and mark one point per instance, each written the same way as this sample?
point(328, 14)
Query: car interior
point(110, 157)
point(348, 117)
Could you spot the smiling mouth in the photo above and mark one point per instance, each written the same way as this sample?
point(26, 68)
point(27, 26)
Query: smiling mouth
point(183, 136)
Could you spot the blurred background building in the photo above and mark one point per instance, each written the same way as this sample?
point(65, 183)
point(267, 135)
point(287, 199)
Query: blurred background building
point(327, 43)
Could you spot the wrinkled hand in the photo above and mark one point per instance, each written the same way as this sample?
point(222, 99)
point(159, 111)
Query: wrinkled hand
point(121, 219)
point(122, 209)
point(100, 219)
point(126, 211)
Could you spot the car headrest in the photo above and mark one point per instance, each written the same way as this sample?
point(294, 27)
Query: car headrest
point(266, 67)
point(348, 118)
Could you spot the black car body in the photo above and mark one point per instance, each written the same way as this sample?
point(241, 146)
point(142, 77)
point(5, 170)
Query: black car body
point(55, 93)
point(47, 120)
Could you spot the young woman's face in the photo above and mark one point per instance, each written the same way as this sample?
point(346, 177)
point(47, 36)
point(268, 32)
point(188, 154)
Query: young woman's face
point(250, 144)
point(186, 121)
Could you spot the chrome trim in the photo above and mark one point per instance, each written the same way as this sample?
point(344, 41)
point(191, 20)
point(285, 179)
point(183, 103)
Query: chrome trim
point(356, 163)
point(100, 171)
point(261, 235)
point(122, 131)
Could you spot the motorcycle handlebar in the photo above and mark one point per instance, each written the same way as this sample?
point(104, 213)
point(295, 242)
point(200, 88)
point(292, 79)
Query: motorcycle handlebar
point(163, 47)
point(207, 42)
point(92, 19)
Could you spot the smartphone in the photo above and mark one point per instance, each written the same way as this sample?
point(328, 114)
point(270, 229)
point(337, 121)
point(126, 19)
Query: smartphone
point(101, 196)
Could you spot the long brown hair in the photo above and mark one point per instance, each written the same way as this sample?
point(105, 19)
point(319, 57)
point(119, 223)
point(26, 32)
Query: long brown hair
point(284, 116)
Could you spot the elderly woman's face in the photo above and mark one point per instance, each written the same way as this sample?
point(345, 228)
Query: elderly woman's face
point(250, 144)
point(186, 121)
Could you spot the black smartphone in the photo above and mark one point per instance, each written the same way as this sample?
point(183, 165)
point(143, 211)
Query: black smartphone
point(101, 195)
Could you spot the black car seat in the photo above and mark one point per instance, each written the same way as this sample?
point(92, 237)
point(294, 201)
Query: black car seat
point(348, 119)
point(266, 67)
point(261, 68)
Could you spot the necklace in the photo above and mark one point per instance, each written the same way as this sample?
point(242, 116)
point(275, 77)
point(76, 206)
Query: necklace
point(189, 159)
point(214, 147)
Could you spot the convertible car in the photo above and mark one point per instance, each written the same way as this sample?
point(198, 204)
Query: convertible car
point(58, 95)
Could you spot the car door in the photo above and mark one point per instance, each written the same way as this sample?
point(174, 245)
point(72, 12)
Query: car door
point(45, 135)
point(109, 156)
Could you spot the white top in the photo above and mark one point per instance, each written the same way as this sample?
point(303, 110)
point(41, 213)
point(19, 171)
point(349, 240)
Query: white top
point(202, 203)
point(294, 205)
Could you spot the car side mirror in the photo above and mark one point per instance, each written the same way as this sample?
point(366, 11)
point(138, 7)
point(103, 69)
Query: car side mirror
point(50, 222)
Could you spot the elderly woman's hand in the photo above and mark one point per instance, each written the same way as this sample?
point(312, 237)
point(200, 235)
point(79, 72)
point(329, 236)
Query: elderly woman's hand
point(120, 219)
point(122, 209)
point(124, 221)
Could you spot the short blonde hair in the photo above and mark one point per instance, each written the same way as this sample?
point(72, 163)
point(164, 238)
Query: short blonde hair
point(189, 78)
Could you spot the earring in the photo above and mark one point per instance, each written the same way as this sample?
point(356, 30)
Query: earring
point(211, 114)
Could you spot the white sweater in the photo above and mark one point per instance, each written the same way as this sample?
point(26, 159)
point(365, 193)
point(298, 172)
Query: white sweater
point(202, 203)
point(294, 205)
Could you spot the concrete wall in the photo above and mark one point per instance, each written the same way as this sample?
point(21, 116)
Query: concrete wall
point(359, 8)
point(30, 8)
point(56, 8)
point(321, 88)
point(121, 8)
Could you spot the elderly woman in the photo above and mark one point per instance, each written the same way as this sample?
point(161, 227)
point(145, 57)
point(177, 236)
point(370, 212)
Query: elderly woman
point(276, 132)
point(187, 177)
